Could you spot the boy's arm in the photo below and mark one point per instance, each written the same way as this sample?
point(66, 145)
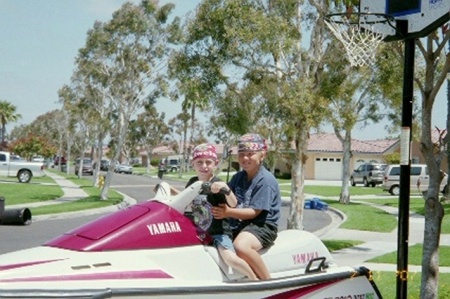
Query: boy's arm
point(224, 211)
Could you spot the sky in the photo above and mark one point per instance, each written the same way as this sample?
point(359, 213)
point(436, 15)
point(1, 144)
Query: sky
point(41, 38)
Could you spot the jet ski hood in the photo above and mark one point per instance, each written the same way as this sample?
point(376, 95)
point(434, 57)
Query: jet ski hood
point(148, 225)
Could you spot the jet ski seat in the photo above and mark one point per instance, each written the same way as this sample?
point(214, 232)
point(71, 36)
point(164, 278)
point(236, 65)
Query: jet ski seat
point(291, 253)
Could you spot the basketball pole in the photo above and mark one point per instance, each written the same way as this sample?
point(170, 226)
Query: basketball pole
point(405, 162)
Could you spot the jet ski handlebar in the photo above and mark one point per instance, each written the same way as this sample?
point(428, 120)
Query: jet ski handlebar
point(206, 187)
point(185, 197)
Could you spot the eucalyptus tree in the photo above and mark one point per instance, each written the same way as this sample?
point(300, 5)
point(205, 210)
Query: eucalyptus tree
point(126, 61)
point(149, 130)
point(76, 102)
point(93, 97)
point(19, 131)
point(354, 102)
point(196, 92)
point(437, 67)
point(232, 42)
point(8, 114)
point(389, 80)
point(432, 65)
point(178, 130)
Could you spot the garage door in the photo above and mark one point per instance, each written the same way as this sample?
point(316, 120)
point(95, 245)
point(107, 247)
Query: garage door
point(328, 168)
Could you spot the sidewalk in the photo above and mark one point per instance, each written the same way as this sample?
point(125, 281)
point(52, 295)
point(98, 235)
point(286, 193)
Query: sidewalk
point(375, 243)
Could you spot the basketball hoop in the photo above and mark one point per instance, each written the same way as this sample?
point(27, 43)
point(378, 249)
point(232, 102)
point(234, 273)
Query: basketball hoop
point(360, 33)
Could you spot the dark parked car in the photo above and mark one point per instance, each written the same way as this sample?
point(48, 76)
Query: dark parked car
point(104, 164)
point(57, 159)
point(87, 166)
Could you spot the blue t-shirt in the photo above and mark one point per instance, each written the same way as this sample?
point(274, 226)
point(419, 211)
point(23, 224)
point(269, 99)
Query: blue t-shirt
point(260, 193)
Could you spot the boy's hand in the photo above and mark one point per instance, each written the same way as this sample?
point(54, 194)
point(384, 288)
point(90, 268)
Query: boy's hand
point(218, 187)
point(220, 212)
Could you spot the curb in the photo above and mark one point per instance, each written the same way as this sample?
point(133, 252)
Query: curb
point(337, 217)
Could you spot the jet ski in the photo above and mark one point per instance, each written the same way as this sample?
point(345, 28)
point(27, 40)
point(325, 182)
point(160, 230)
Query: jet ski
point(154, 250)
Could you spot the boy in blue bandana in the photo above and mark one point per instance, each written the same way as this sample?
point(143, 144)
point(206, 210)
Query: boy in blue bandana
point(258, 196)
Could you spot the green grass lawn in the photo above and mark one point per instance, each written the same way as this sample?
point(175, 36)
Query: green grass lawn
point(416, 205)
point(364, 217)
point(386, 282)
point(415, 256)
point(39, 189)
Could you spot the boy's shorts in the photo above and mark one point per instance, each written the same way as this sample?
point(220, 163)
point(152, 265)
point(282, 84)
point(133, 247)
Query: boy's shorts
point(224, 241)
point(266, 234)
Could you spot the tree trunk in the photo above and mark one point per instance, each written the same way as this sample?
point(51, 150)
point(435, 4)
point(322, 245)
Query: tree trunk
point(149, 159)
point(295, 219)
point(344, 197)
point(447, 190)
point(3, 132)
point(433, 208)
point(123, 128)
point(430, 260)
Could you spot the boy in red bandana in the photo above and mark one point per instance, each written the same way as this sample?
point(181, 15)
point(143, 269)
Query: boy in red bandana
point(204, 162)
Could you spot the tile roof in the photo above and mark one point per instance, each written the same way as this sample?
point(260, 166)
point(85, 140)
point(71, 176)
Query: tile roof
point(323, 142)
point(328, 142)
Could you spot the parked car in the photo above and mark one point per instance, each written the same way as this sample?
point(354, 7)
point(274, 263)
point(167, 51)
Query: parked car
point(104, 164)
point(38, 158)
point(368, 174)
point(87, 166)
point(124, 168)
point(57, 160)
point(15, 157)
point(172, 163)
point(419, 180)
point(22, 170)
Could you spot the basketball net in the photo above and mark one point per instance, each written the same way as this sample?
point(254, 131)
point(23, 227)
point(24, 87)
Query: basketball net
point(360, 33)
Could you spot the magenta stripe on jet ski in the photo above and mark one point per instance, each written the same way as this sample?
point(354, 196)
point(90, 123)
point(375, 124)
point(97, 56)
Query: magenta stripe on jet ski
point(21, 265)
point(302, 291)
point(94, 276)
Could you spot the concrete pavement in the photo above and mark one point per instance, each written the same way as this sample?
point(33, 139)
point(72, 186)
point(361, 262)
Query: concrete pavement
point(375, 243)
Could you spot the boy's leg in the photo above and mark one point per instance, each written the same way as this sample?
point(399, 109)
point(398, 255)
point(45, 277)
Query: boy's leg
point(247, 247)
point(232, 260)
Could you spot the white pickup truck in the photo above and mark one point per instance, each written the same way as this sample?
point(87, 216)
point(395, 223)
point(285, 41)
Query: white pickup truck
point(20, 169)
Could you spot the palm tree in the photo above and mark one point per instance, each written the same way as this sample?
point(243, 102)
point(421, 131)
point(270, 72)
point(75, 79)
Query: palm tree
point(7, 114)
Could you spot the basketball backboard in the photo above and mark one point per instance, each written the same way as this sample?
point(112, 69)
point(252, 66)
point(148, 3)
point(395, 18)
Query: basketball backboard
point(423, 16)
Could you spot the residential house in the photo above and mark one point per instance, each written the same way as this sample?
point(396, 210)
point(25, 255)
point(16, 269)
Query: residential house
point(325, 153)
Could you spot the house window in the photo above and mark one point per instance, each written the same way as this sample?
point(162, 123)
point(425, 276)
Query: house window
point(331, 159)
point(338, 159)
